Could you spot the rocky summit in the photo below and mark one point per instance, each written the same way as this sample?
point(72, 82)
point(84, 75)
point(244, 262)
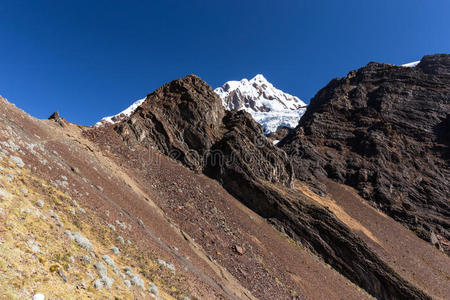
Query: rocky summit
point(180, 198)
point(182, 119)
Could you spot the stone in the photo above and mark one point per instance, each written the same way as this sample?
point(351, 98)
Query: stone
point(57, 118)
point(239, 249)
point(434, 240)
point(39, 297)
point(62, 275)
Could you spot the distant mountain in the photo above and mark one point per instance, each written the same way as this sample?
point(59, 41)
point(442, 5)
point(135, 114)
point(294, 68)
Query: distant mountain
point(268, 105)
point(123, 114)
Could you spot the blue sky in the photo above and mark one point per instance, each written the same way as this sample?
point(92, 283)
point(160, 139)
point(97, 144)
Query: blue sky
point(89, 59)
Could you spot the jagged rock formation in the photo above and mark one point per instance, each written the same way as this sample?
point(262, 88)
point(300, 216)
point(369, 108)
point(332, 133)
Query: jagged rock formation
point(384, 130)
point(55, 117)
point(251, 168)
point(243, 160)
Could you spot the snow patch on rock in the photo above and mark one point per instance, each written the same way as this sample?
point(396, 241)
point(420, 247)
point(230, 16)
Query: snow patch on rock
point(123, 114)
point(411, 64)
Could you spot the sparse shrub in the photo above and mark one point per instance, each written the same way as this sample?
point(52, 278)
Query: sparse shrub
point(98, 284)
point(87, 259)
point(18, 161)
point(101, 269)
point(103, 273)
point(54, 268)
point(80, 240)
point(154, 289)
point(137, 281)
point(108, 260)
point(127, 283)
point(128, 271)
point(108, 281)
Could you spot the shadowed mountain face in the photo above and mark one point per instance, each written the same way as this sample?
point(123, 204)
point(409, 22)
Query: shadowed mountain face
point(185, 118)
point(182, 119)
point(384, 130)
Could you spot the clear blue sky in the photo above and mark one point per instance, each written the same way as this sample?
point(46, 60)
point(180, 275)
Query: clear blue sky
point(89, 59)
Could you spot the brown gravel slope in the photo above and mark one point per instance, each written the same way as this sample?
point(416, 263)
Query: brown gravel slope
point(414, 259)
point(61, 166)
point(266, 262)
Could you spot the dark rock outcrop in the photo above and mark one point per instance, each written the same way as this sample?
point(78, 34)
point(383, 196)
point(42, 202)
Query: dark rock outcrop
point(384, 130)
point(186, 117)
point(244, 159)
point(182, 119)
point(55, 117)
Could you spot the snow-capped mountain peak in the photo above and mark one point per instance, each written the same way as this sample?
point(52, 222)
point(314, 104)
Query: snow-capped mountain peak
point(268, 105)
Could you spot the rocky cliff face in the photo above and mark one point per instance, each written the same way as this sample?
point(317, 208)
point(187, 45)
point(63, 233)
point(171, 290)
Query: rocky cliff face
point(384, 130)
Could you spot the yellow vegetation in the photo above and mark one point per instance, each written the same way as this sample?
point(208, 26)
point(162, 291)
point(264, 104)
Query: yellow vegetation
point(35, 253)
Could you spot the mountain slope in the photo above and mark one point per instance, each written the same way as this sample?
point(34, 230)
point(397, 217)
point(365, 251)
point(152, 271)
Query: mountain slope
point(268, 105)
point(234, 151)
point(185, 199)
point(67, 202)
